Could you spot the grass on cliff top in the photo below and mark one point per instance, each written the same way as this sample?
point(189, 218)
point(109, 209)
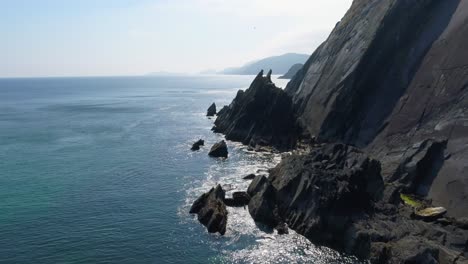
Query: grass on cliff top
point(411, 201)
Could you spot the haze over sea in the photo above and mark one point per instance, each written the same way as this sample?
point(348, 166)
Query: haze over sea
point(98, 170)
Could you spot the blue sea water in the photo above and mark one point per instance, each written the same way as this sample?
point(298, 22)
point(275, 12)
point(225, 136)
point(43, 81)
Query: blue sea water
point(98, 170)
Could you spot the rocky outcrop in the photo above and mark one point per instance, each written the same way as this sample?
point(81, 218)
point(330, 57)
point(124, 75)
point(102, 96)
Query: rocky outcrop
point(211, 210)
point(292, 71)
point(335, 196)
point(316, 199)
point(262, 115)
point(211, 110)
point(196, 145)
point(219, 150)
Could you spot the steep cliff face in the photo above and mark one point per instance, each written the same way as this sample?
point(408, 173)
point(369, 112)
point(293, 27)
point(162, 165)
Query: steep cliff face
point(392, 74)
point(353, 81)
point(435, 106)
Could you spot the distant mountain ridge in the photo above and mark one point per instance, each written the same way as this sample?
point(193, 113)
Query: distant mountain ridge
point(279, 64)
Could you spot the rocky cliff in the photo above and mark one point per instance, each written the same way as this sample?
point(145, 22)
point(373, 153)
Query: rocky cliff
point(393, 74)
point(248, 118)
point(292, 71)
point(391, 81)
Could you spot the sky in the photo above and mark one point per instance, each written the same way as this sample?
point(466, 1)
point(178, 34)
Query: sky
point(135, 37)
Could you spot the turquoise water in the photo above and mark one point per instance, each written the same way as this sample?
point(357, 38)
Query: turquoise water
point(98, 170)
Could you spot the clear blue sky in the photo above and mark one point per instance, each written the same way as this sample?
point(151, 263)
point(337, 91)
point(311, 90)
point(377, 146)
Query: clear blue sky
point(124, 37)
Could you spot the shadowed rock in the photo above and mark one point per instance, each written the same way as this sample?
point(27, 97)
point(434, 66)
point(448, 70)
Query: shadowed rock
point(262, 115)
point(262, 205)
point(196, 145)
point(211, 110)
point(249, 177)
point(211, 210)
point(238, 199)
point(219, 150)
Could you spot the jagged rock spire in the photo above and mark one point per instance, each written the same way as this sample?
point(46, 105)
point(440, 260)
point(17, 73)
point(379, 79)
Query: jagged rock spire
point(268, 77)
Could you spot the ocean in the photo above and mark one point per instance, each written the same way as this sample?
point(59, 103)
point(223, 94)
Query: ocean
point(99, 170)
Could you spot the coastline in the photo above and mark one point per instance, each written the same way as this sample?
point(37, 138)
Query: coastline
point(331, 193)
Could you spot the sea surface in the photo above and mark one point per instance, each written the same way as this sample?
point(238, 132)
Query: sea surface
point(99, 170)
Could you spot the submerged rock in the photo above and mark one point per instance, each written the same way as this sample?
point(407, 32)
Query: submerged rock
point(211, 210)
point(211, 110)
point(219, 150)
point(196, 145)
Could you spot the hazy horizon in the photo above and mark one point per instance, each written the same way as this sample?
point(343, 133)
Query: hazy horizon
point(53, 38)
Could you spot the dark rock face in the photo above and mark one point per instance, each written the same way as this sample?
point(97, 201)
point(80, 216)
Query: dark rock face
point(219, 150)
point(353, 81)
point(321, 202)
point(292, 71)
point(417, 171)
point(262, 115)
point(196, 145)
point(211, 210)
point(262, 205)
point(211, 110)
point(238, 199)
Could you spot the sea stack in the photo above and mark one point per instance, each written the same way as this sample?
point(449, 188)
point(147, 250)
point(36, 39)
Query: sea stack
point(262, 115)
point(211, 110)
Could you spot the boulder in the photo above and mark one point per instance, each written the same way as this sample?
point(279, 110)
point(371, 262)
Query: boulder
point(196, 145)
point(211, 210)
point(238, 199)
point(430, 213)
point(211, 110)
point(219, 150)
